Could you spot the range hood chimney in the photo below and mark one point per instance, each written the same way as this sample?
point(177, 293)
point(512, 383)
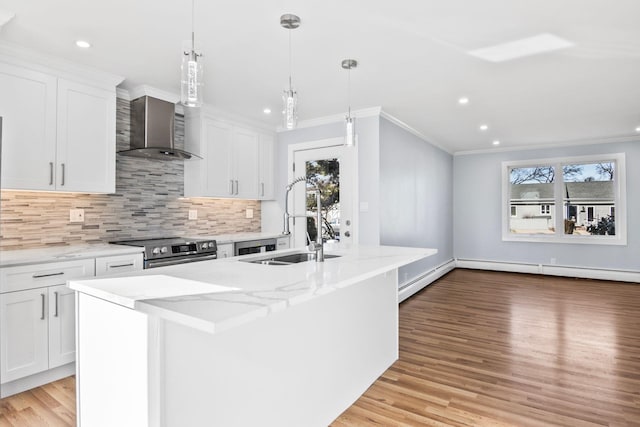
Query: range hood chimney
point(152, 134)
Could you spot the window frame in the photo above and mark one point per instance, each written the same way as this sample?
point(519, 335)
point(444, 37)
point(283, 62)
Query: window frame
point(620, 194)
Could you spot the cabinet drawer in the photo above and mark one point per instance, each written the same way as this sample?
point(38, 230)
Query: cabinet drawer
point(118, 264)
point(40, 275)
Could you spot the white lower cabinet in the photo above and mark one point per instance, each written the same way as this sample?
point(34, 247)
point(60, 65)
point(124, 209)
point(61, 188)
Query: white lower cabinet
point(118, 264)
point(62, 326)
point(37, 318)
point(24, 337)
point(225, 250)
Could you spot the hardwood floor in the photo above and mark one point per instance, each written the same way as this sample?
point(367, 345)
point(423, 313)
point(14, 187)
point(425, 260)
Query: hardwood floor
point(52, 405)
point(495, 349)
point(478, 348)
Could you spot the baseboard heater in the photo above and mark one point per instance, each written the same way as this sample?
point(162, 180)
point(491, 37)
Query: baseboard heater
point(552, 270)
point(418, 283)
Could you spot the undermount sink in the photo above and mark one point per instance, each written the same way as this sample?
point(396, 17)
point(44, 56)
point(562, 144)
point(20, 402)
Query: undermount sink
point(288, 259)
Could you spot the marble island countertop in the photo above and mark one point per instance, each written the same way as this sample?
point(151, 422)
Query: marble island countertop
point(217, 295)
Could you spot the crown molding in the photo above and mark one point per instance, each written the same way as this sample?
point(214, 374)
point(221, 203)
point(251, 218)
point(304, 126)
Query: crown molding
point(27, 58)
point(555, 144)
point(413, 131)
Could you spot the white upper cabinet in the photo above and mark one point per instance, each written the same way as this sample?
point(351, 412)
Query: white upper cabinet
point(232, 164)
point(245, 163)
point(86, 147)
point(57, 134)
point(28, 111)
point(267, 170)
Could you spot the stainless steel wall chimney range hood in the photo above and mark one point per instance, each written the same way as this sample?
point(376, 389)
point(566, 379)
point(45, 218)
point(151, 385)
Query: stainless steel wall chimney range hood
point(152, 134)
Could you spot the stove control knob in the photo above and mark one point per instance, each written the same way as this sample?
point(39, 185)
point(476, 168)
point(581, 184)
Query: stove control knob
point(155, 251)
point(163, 250)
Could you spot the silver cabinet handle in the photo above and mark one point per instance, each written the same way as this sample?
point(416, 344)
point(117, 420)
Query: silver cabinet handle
point(55, 312)
point(237, 186)
point(37, 276)
point(50, 173)
point(262, 189)
point(121, 265)
point(347, 234)
point(62, 183)
point(42, 314)
point(231, 186)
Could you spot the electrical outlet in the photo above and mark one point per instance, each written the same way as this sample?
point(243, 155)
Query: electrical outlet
point(553, 261)
point(193, 214)
point(76, 215)
point(249, 213)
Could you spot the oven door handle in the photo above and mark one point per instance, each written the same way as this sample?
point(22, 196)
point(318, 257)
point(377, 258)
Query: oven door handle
point(176, 261)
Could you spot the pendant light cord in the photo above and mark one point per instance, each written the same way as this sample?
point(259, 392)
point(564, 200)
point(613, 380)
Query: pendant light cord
point(290, 61)
point(349, 90)
point(193, 27)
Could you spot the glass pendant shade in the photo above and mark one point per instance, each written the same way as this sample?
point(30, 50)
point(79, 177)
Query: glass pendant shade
point(350, 131)
point(191, 80)
point(290, 108)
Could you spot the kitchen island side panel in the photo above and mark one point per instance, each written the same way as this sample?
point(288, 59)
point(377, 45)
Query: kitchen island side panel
point(302, 366)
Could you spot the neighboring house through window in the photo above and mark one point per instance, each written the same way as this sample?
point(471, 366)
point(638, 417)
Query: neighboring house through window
point(570, 200)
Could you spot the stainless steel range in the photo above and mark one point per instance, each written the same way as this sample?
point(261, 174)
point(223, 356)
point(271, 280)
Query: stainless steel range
point(173, 250)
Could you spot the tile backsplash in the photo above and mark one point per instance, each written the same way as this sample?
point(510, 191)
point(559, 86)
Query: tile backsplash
point(148, 202)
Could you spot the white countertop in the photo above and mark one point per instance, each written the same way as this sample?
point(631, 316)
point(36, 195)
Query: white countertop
point(222, 239)
point(13, 258)
point(220, 294)
point(63, 253)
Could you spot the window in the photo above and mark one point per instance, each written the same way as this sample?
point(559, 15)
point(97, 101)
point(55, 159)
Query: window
point(569, 200)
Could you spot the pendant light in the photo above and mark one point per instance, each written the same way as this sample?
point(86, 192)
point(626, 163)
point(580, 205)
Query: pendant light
point(191, 75)
point(290, 96)
point(349, 124)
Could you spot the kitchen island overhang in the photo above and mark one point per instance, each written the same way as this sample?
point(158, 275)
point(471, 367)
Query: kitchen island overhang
point(283, 345)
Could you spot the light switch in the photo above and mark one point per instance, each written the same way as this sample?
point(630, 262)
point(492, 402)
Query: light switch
point(76, 215)
point(249, 213)
point(193, 214)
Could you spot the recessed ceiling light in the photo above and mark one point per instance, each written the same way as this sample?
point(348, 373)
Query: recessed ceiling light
point(638, 129)
point(520, 48)
point(83, 44)
point(463, 101)
point(496, 142)
point(267, 111)
point(483, 127)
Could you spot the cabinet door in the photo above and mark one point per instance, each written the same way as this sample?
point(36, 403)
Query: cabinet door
point(28, 111)
point(246, 165)
point(86, 138)
point(23, 342)
point(267, 158)
point(62, 330)
point(218, 142)
point(225, 251)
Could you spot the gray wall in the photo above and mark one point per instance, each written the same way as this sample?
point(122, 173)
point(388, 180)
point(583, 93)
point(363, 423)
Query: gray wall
point(416, 192)
point(478, 205)
point(368, 171)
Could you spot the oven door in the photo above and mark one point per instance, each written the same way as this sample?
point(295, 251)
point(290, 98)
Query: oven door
point(178, 260)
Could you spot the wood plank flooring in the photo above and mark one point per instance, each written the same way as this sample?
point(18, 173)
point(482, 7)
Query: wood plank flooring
point(496, 349)
point(478, 349)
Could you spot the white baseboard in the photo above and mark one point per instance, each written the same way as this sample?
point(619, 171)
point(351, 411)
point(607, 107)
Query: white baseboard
point(424, 280)
point(552, 270)
point(36, 380)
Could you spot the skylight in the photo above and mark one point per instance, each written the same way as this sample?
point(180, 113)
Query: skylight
point(535, 45)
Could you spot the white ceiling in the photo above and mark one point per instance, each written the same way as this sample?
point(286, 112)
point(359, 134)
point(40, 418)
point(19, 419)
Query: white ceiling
point(412, 56)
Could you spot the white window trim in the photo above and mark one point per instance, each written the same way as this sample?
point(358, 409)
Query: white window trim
point(620, 189)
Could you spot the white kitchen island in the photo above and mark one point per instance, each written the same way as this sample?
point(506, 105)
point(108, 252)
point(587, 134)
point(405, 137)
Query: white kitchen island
point(231, 343)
